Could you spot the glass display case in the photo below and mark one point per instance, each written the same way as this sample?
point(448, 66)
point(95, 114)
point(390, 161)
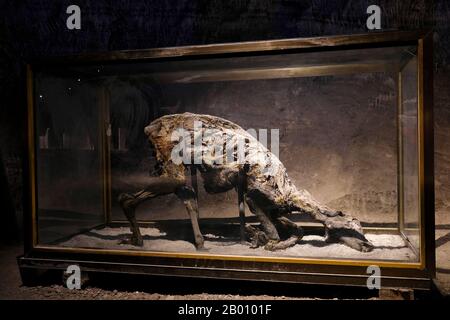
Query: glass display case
point(336, 172)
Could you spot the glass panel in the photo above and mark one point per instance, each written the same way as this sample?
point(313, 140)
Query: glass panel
point(68, 157)
point(329, 116)
point(410, 165)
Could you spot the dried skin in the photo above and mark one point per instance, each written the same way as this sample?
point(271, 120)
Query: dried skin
point(270, 194)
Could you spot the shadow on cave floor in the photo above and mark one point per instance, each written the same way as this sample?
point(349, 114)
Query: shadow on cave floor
point(225, 231)
point(219, 233)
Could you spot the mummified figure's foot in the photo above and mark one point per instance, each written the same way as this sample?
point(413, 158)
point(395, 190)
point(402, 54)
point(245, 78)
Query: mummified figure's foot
point(357, 244)
point(135, 241)
point(291, 236)
point(282, 244)
point(347, 230)
point(256, 237)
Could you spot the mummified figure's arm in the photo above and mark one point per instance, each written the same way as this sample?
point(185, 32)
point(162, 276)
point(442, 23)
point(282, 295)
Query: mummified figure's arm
point(339, 227)
point(271, 193)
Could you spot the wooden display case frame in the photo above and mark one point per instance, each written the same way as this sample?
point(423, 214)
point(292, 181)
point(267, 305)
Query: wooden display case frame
point(395, 274)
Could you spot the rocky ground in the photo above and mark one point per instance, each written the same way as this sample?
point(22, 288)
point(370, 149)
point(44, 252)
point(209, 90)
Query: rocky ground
point(157, 289)
point(137, 289)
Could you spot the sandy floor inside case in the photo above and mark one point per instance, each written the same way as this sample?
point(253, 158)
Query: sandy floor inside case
point(387, 246)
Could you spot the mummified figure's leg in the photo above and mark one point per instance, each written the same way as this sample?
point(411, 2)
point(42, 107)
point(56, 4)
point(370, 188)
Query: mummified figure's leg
point(267, 224)
point(288, 227)
point(273, 226)
point(189, 198)
point(289, 231)
point(129, 202)
point(156, 186)
point(270, 238)
point(339, 227)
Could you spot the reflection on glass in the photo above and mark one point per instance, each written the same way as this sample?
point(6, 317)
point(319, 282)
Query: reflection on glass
point(335, 113)
point(68, 158)
point(409, 137)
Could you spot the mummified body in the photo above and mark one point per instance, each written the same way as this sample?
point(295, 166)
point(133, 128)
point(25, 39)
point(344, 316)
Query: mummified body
point(214, 151)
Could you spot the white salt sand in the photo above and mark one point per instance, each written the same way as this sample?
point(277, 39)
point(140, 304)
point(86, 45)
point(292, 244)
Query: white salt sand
point(387, 246)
